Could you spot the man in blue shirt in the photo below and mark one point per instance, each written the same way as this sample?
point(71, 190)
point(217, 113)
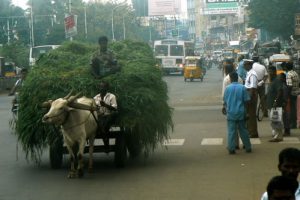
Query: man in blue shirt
point(235, 100)
point(241, 70)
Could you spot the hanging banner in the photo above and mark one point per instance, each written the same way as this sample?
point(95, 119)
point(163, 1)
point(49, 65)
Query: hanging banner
point(70, 25)
point(221, 7)
point(221, 1)
point(163, 7)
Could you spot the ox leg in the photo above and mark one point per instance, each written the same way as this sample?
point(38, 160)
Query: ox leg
point(80, 167)
point(91, 151)
point(72, 172)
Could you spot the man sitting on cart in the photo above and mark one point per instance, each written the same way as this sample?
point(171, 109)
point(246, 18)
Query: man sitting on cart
point(107, 112)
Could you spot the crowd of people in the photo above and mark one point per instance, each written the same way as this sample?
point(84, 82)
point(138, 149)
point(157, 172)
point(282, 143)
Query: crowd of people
point(277, 93)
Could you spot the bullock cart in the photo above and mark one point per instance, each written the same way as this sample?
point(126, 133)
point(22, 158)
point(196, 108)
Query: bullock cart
point(144, 118)
point(117, 133)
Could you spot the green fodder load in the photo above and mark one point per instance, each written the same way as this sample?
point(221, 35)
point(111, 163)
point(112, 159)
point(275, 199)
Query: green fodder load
point(141, 94)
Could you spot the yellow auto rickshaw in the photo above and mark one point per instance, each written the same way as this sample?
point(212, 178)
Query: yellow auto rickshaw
point(277, 59)
point(193, 68)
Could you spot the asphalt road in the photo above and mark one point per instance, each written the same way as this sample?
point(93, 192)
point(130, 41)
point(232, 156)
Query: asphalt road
point(193, 165)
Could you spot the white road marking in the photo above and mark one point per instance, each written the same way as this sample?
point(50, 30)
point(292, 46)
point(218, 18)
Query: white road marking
point(212, 141)
point(174, 142)
point(253, 141)
point(290, 140)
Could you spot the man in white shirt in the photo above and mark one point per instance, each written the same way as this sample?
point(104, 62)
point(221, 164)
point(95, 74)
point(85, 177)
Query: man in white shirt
point(251, 85)
point(262, 76)
point(107, 111)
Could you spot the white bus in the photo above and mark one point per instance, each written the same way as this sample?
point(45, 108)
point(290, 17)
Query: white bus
point(170, 54)
point(37, 51)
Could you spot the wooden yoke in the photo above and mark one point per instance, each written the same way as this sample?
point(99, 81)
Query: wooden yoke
point(83, 106)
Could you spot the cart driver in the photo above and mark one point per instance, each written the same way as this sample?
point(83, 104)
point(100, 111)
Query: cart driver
point(16, 88)
point(107, 110)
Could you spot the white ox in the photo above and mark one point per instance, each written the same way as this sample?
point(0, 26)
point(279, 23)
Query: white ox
point(77, 126)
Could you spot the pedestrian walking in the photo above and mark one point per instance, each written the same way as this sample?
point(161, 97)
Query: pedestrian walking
point(226, 81)
point(292, 81)
point(275, 100)
point(262, 76)
point(289, 166)
point(235, 100)
point(286, 106)
point(251, 86)
point(241, 70)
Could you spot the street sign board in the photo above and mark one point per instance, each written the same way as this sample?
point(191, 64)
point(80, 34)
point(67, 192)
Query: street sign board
point(217, 8)
point(70, 25)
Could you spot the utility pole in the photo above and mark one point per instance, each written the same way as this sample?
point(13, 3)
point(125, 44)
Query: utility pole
point(31, 19)
point(85, 22)
point(8, 32)
point(112, 19)
point(70, 11)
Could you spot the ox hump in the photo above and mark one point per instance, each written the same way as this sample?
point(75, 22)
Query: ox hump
point(84, 100)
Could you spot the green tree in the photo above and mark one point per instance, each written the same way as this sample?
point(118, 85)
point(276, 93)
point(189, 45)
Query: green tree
point(274, 16)
point(13, 23)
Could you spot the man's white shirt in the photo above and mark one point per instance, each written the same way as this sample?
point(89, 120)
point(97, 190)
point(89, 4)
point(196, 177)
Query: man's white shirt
point(251, 79)
point(109, 99)
point(260, 70)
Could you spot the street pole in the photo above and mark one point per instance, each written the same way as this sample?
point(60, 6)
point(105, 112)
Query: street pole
point(112, 24)
point(124, 29)
point(31, 19)
point(112, 19)
point(8, 32)
point(70, 11)
point(85, 22)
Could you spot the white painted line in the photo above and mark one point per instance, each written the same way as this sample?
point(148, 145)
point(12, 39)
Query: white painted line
point(99, 142)
point(212, 141)
point(174, 142)
point(293, 140)
point(252, 140)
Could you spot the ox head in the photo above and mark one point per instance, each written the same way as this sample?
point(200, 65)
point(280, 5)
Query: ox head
point(59, 109)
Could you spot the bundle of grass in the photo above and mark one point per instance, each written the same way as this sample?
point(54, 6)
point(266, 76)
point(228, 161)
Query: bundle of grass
point(141, 94)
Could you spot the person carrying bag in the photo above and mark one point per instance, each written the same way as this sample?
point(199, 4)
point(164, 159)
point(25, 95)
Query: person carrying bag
point(276, 114)
point(275, 104)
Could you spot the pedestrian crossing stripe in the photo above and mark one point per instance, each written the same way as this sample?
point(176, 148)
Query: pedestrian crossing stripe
point(219, 141)
point(212, 141)
point(253, 141)
point(174, 142)
point(293, 140)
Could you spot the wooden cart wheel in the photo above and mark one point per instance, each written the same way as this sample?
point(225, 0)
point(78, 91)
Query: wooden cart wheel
point(56, 154)
point(133, 145)
point(120, 150)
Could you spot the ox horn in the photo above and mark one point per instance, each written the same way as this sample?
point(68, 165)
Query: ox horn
point(46, 104)
point(68, 95)
point(72, 98)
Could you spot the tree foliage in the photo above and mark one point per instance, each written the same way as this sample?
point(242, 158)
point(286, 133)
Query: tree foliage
point(140, 90)
point(275, 16)
point(48, 23)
